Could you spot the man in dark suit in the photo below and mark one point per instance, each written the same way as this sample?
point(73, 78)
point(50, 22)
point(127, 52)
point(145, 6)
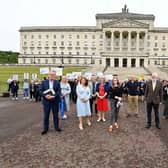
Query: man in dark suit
point(153, 96)
point(50, 91)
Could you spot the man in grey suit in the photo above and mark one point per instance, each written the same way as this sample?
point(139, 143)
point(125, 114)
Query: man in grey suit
point(153, 96)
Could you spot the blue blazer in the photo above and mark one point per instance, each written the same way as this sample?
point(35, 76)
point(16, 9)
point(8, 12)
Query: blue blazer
point(105, 88)
point(56, 86)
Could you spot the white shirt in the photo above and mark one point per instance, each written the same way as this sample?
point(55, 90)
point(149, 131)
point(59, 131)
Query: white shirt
point(51, 84)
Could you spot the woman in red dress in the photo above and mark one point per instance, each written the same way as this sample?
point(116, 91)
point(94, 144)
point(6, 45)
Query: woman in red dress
point(102, 102)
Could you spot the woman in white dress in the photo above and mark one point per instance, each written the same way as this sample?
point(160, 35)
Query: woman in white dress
point(65, 94)
point(83, 106)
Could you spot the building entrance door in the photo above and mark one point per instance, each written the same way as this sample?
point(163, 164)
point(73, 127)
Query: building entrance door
point(107, 61)
point(133, 62)
point(116, 62)
point(141, 63)
point(124, 62)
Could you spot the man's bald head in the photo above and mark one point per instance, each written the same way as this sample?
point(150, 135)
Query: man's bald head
point(154, 76)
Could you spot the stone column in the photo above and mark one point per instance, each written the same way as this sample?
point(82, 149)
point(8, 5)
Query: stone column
point(137, 41)
point(104, 41)
point(145, 42)
point(129, 62)
point(137, 62)
point(112, 62)
point(120, 62)
point(120, 41)
point(129, 41)
point(112, 40)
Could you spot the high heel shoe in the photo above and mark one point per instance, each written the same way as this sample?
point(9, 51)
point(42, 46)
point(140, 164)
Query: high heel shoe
point(116, 125)
point(88, 123)
point(80, 127)
point(110, 129)
point(99, 119)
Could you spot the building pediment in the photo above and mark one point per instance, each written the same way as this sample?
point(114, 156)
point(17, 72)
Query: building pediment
point(125, 23)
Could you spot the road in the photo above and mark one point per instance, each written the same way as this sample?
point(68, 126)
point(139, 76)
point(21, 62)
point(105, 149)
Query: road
point(131, 146)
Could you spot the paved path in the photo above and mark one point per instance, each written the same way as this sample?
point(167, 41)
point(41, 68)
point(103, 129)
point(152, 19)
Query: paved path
point(131, 146)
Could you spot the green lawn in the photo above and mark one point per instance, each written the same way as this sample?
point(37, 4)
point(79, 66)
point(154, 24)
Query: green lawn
point(7, 71)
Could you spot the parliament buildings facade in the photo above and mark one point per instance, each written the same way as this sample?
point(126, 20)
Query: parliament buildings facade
point(118, 40)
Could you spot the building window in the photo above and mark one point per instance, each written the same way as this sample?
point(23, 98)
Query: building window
point(54, 53)
point(70, 36)
point(155, 54)
point(46, 61)
point(85, 53)
point(46, 52)
point(47, 36)
point(24, 61)
point(85, 61)
point(163, 45)
point(69, 61)
point(62, 36)
point(70, 53)
point(25, 43)
point(39, 43)
point(78, 36)
point(85, 36)
point(77, 61)
point(62, 43)
point(46, 43)
point(62, 53)
point(100, 61)
point(39, 52)
point(85, 43)
point(25, 52)
point(101, 36)
point(32, 36)
point(77, 53)
point(32, 43)
point(93, 37)
point(101, 43)
point(54, 43)
point(54, 60)
point(163, 38)
point(39, 36)
point(163, 62)
point(77, 43)
point(93, 53)
point(38, 61)
point(148, 37)
point(155, 62)
point(155, 44)
point(70, 43)
point(25, 36)
point(156, 37)
point(32, 52)
point(55, 36)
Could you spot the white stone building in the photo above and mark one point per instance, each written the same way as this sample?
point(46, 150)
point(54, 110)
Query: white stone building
point(118, 40)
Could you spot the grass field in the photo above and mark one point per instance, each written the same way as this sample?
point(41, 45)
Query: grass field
point(7, 71)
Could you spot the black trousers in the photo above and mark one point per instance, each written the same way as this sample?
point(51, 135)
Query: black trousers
point(149, 113)
point(92, 100)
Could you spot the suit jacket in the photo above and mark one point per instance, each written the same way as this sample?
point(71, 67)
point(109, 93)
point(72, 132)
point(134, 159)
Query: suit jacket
point(151, 95)
point(45, 86)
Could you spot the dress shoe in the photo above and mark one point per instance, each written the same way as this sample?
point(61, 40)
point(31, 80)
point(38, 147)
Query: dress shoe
point(158, 127)
point(148, 126)
point(44, 132)
point(99, 119)
point(103, 119)
point(58, 129)
point(110, 128)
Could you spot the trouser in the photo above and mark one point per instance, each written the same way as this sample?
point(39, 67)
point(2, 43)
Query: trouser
point(113, 112)
point(15, 94)
point(47, 108)
point(165, 111)
point(93, 105)
point(26, 92)
point(132, 102)
point(156, 111)
point(32, 95)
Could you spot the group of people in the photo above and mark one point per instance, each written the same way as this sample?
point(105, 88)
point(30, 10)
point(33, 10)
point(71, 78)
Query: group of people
point(101, 96)
point(30, 89)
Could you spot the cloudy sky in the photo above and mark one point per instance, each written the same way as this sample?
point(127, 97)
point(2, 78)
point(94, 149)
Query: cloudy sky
point(17, 13)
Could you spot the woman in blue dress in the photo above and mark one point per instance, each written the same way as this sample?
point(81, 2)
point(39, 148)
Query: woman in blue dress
point(83, 106)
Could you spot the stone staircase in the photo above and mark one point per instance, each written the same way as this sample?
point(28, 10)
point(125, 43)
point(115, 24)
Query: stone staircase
point(162, 75)
point(124, 73)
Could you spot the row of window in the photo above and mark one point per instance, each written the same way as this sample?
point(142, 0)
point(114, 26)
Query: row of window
point(70, 36)
point(54, 61)
point(62, 43)
point(156, 37)
point(62, 53)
